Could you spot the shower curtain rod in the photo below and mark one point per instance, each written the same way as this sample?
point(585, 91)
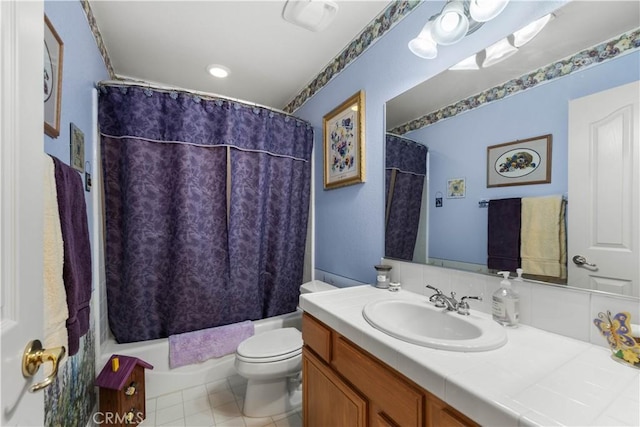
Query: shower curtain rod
point(205, 95)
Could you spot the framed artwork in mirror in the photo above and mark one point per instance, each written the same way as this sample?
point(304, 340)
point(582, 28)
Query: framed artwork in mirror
point(456, 188)
point(522, 162)
point(53, 54)
point(77, 148)
point(343, 143)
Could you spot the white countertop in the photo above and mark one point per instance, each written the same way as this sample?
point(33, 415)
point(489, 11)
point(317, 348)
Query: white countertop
point(536, 379)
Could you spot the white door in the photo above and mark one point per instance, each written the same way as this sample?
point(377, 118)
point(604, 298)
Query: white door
point(21, 213)
point(604, 191)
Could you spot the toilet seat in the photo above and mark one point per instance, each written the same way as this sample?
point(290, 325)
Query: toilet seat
point(271, 346)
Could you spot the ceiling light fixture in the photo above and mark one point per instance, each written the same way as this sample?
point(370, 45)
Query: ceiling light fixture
point(424, 46)
point(454, 21)
point(470, 63)
point(314, 15)
point(528, 32)
point(219, 71)
point(486, 10)
point(451, 25)
point(503, 49)
point(498, 52)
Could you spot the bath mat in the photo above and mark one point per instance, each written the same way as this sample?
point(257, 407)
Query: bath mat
point(198, 346)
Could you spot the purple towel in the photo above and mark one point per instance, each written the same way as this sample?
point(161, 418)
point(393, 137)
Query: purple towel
point(504, 234)
point(198, 346)
point(76, 270)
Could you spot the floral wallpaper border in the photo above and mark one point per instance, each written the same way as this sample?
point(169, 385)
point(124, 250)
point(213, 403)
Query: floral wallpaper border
point(624, 44)
point(378, 27)
point(386, 20)
point(96, 34)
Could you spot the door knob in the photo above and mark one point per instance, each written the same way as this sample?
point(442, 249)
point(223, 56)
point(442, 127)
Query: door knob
point(34, 356)
point(580, 260)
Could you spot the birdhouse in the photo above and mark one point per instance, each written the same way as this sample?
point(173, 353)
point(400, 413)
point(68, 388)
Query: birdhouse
point(122, 392)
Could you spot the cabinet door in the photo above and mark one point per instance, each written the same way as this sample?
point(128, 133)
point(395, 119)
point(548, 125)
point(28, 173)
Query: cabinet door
point(327, 400)
point(439, 414)
point(398, 401)
point(378, 418)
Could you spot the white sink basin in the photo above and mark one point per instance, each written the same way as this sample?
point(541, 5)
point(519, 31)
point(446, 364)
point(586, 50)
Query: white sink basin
point(421, 323)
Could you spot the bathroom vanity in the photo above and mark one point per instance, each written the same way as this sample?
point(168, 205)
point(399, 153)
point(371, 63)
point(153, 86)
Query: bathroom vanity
point(346, 386)
point(357, 375)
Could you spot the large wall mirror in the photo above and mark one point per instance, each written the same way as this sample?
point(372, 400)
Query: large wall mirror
point(456, 115)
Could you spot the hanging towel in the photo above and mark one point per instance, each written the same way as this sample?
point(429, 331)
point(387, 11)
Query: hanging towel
point(198, 346)
point(503, 251)
point(77, 251)
point(55, 296)
point(543, 244)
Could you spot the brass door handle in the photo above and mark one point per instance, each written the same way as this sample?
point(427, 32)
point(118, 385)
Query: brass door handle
point(34, 356)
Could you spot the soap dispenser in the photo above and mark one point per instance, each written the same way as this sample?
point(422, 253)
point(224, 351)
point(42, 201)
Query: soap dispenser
point(519, 272)
point(505, 305)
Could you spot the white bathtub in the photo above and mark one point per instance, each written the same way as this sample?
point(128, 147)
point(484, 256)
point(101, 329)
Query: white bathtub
point(162, 380)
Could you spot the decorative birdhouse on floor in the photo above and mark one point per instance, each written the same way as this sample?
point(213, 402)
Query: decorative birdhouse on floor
point(122, 393)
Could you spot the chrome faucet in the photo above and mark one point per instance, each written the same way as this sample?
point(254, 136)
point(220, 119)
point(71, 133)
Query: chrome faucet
point(450, 303)
point(442, 301)
point(463, 305)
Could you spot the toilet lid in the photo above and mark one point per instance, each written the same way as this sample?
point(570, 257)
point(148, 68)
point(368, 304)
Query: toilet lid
point(272, 345)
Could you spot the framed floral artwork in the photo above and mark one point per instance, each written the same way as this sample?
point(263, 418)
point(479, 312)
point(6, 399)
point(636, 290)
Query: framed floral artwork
point(53, 53)
point(456, 188)
point(343, 143)
point(522, 162)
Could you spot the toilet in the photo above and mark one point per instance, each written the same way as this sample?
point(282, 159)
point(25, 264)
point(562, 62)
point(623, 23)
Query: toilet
point(272, 363)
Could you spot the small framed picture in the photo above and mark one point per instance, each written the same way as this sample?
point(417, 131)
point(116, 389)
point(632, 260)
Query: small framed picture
point(343, 130)
point(456, 188)
point(53, 49)
point(522, 162)
point(77, 148)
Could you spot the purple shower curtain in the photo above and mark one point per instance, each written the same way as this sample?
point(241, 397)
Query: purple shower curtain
point(172, 259)
point(408, 161)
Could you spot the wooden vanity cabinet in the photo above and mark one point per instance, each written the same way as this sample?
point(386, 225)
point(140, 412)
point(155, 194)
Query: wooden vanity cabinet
point(329, 401)
point(343, 385)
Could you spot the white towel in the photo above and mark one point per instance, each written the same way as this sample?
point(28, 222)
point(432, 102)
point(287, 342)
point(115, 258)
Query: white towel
point(55, 296)
point(543, 238)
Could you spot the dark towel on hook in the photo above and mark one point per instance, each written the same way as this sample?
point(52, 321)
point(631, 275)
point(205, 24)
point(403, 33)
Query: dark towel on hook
point(503, 251)
point(76, 270)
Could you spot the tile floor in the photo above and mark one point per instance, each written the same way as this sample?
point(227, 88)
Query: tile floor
point(216, 404)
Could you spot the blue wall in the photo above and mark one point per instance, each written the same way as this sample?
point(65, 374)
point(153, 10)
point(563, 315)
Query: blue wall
point(457, 147)
point(71, 398)
point(349, 220)
point(82, 67)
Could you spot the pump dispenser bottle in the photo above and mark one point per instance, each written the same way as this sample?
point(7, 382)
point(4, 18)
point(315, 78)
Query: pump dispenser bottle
point(519, 272)
point(505, 304)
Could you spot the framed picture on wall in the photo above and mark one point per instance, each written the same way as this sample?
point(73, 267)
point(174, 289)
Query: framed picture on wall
point(53, 54)
point(343, 143)
point(522, 162)
point(456, 188)
point(77, 148)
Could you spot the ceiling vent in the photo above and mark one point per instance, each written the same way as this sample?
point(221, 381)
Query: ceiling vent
point(314, 15)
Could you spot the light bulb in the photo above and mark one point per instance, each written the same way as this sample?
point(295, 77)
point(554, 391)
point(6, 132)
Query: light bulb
point(450, 21)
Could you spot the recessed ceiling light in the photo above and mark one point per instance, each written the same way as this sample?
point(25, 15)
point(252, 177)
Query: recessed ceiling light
point(219, 71)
